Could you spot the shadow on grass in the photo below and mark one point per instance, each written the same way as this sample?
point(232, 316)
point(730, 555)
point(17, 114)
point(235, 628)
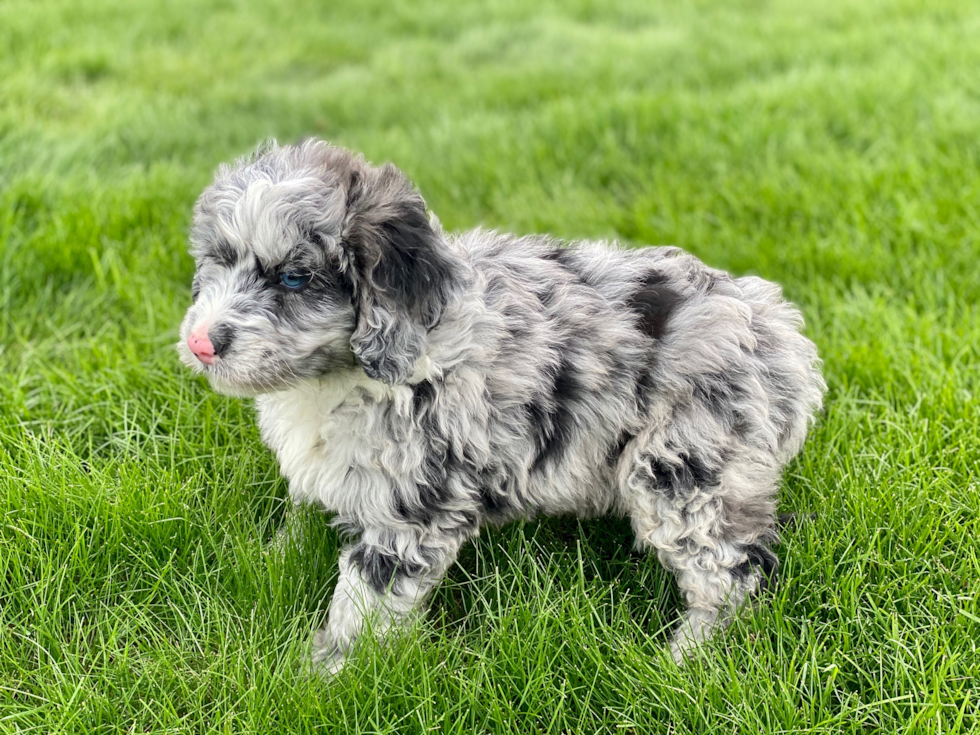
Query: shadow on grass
point(569, 561)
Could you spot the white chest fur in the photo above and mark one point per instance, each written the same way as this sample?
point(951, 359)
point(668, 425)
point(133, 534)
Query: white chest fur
point(327, 440)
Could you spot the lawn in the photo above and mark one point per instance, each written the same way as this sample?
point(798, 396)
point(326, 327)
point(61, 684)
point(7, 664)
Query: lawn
point(832, 147)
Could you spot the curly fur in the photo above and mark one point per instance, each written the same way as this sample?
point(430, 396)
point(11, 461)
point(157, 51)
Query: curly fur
point(423, 384)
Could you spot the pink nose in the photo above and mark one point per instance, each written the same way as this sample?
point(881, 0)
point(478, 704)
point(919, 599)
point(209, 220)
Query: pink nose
point(201, 346)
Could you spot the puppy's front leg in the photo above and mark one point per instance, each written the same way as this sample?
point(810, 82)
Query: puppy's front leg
point(378, 585)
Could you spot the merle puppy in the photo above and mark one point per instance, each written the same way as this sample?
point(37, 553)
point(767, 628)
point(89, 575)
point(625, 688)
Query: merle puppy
point(419, 384)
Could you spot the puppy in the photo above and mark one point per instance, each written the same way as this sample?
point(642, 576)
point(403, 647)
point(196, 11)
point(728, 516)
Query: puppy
point(419, 385)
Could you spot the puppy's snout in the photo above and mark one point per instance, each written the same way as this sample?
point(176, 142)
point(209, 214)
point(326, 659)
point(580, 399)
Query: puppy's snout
point(221, 337)
point(201, 346)
point(208, 344)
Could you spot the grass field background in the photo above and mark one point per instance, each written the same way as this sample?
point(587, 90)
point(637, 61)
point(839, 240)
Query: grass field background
point(832, 147)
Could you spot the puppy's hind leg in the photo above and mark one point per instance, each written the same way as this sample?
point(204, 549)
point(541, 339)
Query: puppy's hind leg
point(711, 521)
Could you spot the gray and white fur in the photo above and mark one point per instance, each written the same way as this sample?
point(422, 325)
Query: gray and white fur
point(420, 384)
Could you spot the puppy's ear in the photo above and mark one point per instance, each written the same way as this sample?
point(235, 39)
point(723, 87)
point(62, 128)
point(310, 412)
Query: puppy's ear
point(404, 273)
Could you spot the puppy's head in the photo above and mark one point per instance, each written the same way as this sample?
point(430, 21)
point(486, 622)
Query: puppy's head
point(310, 260)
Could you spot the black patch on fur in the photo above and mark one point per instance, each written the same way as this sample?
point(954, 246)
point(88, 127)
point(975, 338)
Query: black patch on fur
point(553, 424)
point(566, 258)
point(720, 393)
point(707, 393)
point(497, 492)
point(400, 255)
point(411, 266)
point(653, 303)
point(223, 253)
point(423, 395)
point(547, 296)
point(539, 417)
point(401, 267)
point(645, 386)
point(353, 189)
point(329, 281)
point(409, 513)
point(762, 558)
point(381, 570)
point(294, 307)
point(433, 494)
point(561, 255)
point(493, 503)
point(680, 480)
point(440, 464)
point(617, 449)
point(221, 336)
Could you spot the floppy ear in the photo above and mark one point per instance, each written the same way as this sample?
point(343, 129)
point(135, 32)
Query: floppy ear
point(403, 272)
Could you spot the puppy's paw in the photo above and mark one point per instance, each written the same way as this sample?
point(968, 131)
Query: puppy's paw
point(682, 649)
point(696, 627)
point(328, 658)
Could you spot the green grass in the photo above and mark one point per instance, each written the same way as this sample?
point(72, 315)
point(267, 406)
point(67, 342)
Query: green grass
point(833, 147)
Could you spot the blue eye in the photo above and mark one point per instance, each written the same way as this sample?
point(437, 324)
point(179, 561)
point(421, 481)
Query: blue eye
point(295, 280)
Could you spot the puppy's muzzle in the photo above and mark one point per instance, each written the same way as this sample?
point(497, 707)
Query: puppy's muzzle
point(209, 343)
